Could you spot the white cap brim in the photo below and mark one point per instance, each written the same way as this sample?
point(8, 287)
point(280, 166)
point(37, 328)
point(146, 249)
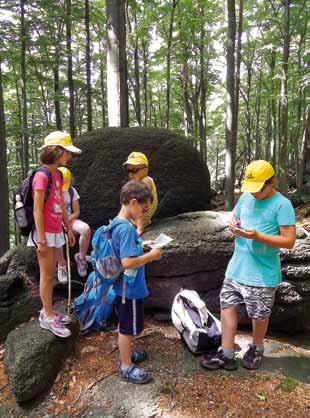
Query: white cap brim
point(70, 148)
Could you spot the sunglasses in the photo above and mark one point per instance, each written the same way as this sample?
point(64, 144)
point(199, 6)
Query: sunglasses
point(134, 170)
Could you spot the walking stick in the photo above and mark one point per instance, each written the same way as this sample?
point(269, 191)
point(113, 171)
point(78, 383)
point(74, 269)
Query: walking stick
point(69, 273)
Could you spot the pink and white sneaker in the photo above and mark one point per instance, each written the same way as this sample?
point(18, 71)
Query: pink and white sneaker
point(54, 325)
point(81, 265)
point(63, 318)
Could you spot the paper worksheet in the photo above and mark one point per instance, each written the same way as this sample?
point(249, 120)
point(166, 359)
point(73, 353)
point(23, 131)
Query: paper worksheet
point(161, 241)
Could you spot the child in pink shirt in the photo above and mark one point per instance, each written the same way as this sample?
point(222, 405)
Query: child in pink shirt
point(49, 216)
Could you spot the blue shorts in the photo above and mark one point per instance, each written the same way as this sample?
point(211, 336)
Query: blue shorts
point(130, 315)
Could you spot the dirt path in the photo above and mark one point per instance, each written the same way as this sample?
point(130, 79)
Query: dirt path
point(88, 384)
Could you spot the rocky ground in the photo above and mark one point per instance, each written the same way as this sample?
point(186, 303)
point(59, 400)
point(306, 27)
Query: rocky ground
point(88, 383)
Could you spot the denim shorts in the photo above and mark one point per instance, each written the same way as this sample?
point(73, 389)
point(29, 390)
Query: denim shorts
point(130, 315)
point(258, 300)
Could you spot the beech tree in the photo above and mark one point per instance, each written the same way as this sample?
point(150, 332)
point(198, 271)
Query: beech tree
point(117, 64)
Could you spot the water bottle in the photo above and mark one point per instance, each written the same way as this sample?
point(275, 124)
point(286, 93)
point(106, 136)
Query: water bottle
point(20, 213)
point(130, 275)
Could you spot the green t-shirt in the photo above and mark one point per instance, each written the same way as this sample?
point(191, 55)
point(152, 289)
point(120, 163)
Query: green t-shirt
point(254, 263)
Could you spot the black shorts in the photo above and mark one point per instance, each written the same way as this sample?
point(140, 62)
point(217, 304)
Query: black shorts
point(130, 315)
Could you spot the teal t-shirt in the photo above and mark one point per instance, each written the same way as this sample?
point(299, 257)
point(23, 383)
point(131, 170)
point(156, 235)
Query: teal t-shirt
point(254, 263)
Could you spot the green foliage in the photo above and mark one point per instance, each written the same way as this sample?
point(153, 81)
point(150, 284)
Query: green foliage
point(197, 63)
point(288, 384)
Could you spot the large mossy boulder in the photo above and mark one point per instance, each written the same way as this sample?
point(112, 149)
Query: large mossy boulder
point(33, 357)
point(19, 298)
point(198, 257)
point(181, 177)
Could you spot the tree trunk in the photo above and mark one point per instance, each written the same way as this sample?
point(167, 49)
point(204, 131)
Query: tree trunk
point(145, 62)
point(19, 143)
point(188, 114)
point(273, 112)
point(57, 96)
point(4, 187)
point(283, 166)
point(304, 155)
point(137, 75)
point(25, 134)
point(237, 80)
point(168, 60)
point(102, 89)
point(299, 104)
point(230, 111)
point(258, 151)
point(117, 64)
point(88, 70)
point(203, 92)
point(70, 70)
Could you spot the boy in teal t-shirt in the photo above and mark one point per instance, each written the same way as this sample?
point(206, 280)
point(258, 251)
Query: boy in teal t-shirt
point(263, 222)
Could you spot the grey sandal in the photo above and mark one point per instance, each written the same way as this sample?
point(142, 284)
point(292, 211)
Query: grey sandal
point(134, 374)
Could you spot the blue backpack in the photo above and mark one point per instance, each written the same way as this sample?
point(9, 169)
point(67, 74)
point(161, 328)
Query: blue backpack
point(94, 306)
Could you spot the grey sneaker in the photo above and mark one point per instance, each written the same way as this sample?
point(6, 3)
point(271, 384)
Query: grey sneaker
point(63, 318)
point(55, 326)
point(253, 358)
point(62, 274)
point(218, 361)
point(81, 265)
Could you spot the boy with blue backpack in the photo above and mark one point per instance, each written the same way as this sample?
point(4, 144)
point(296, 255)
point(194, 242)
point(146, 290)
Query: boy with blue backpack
point(135, 198)
point(118, 279)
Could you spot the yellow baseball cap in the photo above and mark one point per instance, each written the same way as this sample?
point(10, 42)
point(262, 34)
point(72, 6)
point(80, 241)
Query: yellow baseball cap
point(137, 158)
point(67, 177)
point(62, 139)
point(256, 173)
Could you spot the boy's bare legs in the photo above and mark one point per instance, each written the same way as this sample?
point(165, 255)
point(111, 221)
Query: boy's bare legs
point(124, 345)
point(253, 357)
point(225, 356)
point(259, 331)
point(229, 321)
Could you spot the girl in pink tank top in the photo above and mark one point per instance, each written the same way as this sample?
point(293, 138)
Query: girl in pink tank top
point(49, 216)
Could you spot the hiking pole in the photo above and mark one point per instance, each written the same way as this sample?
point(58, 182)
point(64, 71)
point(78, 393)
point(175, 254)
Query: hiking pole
point(69, 273)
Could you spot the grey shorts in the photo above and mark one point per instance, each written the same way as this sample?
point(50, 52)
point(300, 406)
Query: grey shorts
point(258, 300)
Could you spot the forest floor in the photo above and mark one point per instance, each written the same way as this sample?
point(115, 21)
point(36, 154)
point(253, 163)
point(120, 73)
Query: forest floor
point(88, 384)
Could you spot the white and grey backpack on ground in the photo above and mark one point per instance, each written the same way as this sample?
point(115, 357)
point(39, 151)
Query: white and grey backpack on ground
point(200, 330)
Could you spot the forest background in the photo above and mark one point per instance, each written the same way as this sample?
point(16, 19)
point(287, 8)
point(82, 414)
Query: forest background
point(230, 76)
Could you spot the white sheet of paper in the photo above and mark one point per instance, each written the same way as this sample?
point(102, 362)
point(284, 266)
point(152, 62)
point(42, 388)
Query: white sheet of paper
point(161, 241)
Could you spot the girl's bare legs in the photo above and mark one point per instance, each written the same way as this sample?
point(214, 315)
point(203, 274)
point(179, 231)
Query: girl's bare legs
point(47, 263)
point(61, 262)
point(82, 228)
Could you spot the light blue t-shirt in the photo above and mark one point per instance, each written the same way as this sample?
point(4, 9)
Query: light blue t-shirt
point(126, 243)
point(254, 263)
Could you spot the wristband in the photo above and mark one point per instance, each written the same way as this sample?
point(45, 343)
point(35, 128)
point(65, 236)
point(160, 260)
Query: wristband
point(43, 242)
